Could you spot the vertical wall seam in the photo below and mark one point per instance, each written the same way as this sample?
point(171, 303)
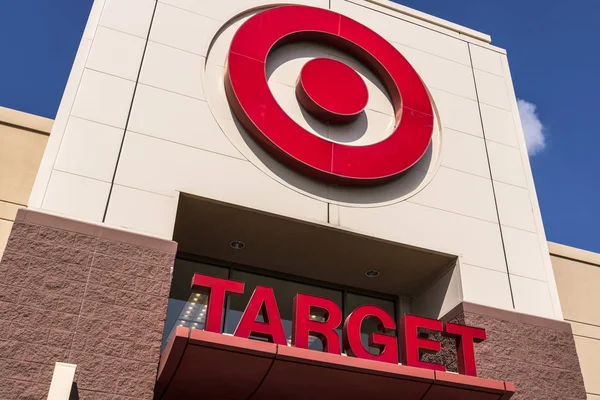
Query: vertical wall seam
point(487, 154)
point(428, 389)
point(137, 82)
point(264, 378)
point(85, 291)
point(533, 197)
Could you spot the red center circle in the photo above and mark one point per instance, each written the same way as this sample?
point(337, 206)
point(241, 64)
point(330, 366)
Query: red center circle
point(331, 91)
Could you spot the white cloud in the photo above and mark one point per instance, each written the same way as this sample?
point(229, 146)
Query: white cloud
point(533, 128)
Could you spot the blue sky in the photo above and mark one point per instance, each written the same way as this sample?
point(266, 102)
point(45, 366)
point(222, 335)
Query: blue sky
point(552, 49)
point(555, 64)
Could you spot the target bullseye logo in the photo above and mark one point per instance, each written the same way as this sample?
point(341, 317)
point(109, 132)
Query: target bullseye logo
point(331, 91)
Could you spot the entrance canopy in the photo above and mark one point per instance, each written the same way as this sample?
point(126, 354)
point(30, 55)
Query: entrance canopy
point(200, 364)
point(309, 250)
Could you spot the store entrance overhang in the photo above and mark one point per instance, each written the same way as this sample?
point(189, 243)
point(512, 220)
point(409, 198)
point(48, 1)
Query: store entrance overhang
point(308, 250)
point(200, 364)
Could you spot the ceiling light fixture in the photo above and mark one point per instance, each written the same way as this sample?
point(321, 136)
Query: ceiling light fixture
point(372, 273)
point(237, 244)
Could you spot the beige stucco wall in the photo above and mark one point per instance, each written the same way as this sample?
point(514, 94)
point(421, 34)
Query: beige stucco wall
point(144, 118)
point(578, 279)
point(23, 139)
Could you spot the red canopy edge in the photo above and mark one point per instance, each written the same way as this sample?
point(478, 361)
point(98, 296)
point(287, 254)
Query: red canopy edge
point(202, 364)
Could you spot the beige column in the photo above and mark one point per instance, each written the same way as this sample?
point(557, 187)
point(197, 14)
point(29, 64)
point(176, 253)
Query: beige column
point(23, 139)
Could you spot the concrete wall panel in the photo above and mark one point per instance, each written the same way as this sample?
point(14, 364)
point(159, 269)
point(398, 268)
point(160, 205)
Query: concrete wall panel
point(23, 138)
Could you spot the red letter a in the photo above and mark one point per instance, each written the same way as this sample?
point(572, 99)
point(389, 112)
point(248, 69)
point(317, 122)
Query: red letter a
point(263, 300)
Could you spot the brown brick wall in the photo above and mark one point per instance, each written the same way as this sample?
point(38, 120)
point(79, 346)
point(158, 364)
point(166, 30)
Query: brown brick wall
point(536, 354)
point(82, 294)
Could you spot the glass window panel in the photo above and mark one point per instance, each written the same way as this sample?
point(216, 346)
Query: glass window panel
point(284, 295)
point(185, 307)
point(353, 301)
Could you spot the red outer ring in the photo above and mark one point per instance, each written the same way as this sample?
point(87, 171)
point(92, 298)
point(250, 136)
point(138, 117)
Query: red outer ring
point(253, 103)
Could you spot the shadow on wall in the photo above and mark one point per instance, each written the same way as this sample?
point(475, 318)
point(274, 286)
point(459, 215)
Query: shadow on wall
point(74, 392)
point(440, 295)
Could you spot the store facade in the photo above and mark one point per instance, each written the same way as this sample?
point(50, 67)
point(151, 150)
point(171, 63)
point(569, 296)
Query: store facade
point(249, 199)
